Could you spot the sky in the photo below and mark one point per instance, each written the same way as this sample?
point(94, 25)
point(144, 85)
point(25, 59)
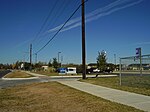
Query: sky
point(116, 26)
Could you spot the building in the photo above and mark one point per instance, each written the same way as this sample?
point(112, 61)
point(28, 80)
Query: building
point(45, 68)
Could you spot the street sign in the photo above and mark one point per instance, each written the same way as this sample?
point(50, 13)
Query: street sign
point(138, 52)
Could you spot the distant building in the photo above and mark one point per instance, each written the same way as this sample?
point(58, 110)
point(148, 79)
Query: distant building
point(137, 67)
point(45, 67)
point(92, 65)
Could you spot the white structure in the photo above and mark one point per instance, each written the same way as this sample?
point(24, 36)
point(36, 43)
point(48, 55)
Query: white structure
point(22, 65)
point(45, 68)
point(71, 70)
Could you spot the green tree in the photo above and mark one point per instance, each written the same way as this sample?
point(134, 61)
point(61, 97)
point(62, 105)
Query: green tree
point(55, 63)
point(101, 61)
point(17, 65)
point(50, 63)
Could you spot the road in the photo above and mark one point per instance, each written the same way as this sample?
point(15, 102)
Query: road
point(4, 72)
point(11, 83)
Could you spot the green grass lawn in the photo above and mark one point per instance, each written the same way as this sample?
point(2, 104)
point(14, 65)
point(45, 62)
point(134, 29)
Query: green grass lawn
point(136, 81)
point(140, 85)
point(55, 97)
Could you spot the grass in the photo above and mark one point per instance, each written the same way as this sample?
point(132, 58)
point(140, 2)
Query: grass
point(55, 97)
point(18, 74)
point(140, 85)
point(137, 81)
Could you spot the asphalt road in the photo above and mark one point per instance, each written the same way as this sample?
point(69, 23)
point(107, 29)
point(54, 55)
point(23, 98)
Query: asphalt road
point(4, 72)
point(11, 83)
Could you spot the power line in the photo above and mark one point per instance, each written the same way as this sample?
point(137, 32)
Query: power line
point(61, 27)
point(42, 27)
point(62, 8)
point(64, 4)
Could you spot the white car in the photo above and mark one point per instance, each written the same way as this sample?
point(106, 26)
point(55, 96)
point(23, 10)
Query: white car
point(96, 70)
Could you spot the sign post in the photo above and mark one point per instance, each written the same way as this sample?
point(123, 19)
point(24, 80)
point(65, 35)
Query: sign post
point(139, 56)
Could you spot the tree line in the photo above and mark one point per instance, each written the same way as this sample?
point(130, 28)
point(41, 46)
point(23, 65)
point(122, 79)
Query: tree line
point(101, 64)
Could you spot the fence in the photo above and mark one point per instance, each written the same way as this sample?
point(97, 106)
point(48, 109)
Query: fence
point(135, 71)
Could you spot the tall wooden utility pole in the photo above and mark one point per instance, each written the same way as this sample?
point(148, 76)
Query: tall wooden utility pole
point(83, 42)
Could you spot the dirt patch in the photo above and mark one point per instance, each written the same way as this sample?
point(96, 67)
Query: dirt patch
point(18, 74)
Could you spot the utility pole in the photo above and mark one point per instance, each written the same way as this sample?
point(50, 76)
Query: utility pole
point(140, 61)
point(83, 42)
point(30, 56)
point(115, 59)
point(58, 58)
point(35, 58)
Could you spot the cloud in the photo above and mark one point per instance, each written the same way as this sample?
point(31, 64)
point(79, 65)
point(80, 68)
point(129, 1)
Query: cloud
point(142, 43)
point(98, 13)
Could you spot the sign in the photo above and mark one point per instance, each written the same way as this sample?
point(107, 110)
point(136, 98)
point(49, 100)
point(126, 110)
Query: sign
point(138, 52)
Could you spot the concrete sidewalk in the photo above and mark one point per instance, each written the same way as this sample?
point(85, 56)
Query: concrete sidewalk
point(138, 101)
point(34, 74)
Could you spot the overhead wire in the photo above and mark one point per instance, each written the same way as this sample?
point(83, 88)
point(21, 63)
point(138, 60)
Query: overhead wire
point(61, 27)
point(45, 21)
point(63, 5)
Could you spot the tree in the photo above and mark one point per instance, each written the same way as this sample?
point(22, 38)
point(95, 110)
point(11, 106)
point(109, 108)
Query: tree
point(101, 60)
point(50, 63)
point(27, 66)
point(55, 63)
point(17, 65)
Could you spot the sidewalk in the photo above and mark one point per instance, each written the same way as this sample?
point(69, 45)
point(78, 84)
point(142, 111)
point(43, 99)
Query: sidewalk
point(138, 101)
point(34, 74)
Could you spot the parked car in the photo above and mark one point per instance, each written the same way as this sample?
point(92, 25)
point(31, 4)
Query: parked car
point(96, 70)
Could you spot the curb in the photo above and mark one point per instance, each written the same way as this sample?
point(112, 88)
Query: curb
point(88, 76)
point(19, 78)
point(3, 78)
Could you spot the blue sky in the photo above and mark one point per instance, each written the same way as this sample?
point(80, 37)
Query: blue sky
point(116, 26)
